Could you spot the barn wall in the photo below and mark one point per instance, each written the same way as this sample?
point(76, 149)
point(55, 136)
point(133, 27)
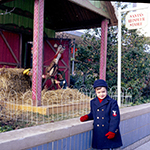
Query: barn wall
point(21, 18)
point(9, 41)
point(50, 51)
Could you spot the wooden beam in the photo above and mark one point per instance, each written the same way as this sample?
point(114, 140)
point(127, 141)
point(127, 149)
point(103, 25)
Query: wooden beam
point(7, 63)
point(20, 50)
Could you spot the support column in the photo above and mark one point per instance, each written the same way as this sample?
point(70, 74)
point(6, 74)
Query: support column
point(37, 51)
point(73, 56)
point(40, 51)
point(103, 53)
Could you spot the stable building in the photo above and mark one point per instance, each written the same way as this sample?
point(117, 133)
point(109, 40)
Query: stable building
point(23, 21)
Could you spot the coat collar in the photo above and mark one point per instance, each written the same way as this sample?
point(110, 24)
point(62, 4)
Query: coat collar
point(104, 102)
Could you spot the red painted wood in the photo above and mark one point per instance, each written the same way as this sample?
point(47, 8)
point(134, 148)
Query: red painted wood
point(49, 55)
point(13, 40)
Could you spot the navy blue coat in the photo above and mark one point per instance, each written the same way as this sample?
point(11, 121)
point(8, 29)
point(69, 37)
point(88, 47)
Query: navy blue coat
point(106, 118)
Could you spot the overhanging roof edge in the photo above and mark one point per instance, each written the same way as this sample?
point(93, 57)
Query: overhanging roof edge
point(114, 21)
point(86, 4)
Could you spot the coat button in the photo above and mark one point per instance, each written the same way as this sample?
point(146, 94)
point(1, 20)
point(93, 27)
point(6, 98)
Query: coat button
point(97, 109)
point(97, 117)
point(102, 117)
point(102, 109)
point(97, 125)
point(102, 125)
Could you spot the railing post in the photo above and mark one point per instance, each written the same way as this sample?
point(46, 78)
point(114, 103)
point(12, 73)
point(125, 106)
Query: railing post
point(119, 57)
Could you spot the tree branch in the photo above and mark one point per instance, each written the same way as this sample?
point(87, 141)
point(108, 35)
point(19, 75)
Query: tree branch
point(7, 12)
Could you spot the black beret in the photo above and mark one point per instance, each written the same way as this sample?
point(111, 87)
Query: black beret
point(100, 83)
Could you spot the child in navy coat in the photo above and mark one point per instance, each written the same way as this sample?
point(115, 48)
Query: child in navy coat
point(106, 116)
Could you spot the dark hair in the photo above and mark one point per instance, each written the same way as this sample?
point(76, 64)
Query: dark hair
point(99, 87)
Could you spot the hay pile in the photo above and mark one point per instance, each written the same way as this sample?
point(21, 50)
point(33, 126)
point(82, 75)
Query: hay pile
point(13, 84)
point(54, 97)
point(13, 79)
point(61, 96)
point(15, 88)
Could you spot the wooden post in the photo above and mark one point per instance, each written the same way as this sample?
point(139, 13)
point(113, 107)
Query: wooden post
point(73, 56)
point(40, 50)
point(103, 53)
point(37, 51)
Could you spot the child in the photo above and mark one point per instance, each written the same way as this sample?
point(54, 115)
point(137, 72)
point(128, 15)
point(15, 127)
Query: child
point(62, 83)
point(106, 116)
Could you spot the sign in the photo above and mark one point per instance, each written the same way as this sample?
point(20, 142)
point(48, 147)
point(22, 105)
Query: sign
point(136, 20)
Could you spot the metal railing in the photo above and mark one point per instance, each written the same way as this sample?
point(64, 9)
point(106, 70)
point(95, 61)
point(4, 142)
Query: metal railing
point(66, 104)
point(55, 106)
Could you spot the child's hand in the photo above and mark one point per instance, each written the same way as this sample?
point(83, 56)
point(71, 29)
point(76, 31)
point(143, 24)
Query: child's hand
point(57, 82)
point(110, 135)
point(84, 118)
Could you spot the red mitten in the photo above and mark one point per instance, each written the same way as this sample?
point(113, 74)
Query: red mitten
point(110, 135)
point(84, 118)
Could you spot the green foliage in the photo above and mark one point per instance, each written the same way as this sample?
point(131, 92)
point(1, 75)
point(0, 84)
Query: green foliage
point(112, 57)
point(135, 66)
point(5, 128)
point(135, 62)
point(8, 125)
point(87, 59)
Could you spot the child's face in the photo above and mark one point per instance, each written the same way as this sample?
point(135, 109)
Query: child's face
point(101, 92)
point(60, 76)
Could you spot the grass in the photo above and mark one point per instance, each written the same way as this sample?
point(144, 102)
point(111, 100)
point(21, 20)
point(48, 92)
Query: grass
point(29, 119)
